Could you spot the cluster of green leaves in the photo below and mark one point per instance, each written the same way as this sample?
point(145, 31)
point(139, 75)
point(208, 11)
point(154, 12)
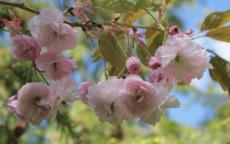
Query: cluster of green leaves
point(214, 24)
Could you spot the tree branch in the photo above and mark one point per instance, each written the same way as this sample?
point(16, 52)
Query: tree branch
point(84, 26)
point(19, 5)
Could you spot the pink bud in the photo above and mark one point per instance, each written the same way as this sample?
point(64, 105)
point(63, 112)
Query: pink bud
point(25, 47)
point(188, 32)
point(156, 76)
point(173, 30)
point(15, 23)
point(154, 63)
point(133, 65)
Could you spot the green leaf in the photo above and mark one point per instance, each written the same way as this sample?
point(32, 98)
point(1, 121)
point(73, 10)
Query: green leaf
point(119, 6)
point(168, 1)
point(96, 55)
point(143, 4)
point(155, 41)
point(111, 50)
point(141, 53)
point(222, 34)
point(221, 72)
point(131, 17)
point(215, 20)
point(113, 71)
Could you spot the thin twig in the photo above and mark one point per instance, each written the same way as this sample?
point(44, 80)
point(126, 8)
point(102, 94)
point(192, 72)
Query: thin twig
point(132, 26)
point(157, 22)
point(39, 72)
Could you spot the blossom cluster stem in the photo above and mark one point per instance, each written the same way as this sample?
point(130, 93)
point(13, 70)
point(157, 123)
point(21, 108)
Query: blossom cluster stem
point(40, 73)
point(157, 22)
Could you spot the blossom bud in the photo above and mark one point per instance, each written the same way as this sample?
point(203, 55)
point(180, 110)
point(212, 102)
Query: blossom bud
point(188, 32)
point(154, 63)
point(133, 65)
point(173, 30)
point(156, 76)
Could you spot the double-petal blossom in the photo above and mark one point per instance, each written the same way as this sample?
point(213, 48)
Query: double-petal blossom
point(183, 59)
point(24, 47)
point(32, 103)
point(103, 99)
point(64, 93)
point(50, 31)
point(54, 65)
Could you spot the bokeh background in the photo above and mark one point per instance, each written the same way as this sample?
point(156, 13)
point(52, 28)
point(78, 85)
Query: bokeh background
point(202, 118)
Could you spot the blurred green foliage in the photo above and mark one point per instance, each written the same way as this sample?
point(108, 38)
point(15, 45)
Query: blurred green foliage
point(80, 125)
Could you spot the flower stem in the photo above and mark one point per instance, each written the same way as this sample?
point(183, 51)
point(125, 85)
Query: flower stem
point(156, 21)
point(39, 72)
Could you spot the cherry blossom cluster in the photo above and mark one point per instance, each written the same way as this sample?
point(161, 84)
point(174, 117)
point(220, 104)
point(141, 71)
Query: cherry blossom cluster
point(113, 100)
point(178, 61)
point(36, 101)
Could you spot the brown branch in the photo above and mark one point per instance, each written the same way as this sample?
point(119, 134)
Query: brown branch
point(88, 25)
point(26, 8)
point(19, 5)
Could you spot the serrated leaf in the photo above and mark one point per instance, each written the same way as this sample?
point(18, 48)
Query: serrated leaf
point(111, 51)
point(221, 72)
point(215, 20)
point(222, 34)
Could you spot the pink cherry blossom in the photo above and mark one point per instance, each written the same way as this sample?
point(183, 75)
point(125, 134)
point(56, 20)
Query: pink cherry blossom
point(103, 98)
point(154, 63)
point(139, 97)
point(32, 103)
point(183, 59)
point(170, 102)
point(133, 65)
point(143, 100)
point(64, 93)
point(162, 89)
point(54, 65)
point(83, 89)
point(24, 47)
point(50, 31)
point(154, 116)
